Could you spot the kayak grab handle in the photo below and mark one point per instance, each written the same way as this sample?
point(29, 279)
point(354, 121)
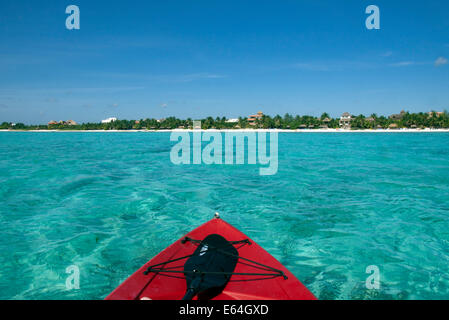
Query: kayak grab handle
point(186, 239)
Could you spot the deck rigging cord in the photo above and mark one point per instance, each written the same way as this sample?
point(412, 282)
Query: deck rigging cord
point(210, 267)
point(276, 273)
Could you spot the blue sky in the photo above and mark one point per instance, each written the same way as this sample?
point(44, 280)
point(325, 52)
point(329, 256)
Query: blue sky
point(139, 59)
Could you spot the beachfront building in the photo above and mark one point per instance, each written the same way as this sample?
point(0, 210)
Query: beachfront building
point(325, 124)
point(345, 120)
point(232, 121)
point(254, 117)
point(63, 123)
point(393, 126)
point(437, 113)
point(398, 116)
point(108, 120)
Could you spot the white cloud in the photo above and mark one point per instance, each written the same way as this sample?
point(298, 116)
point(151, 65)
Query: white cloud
point(336, 65)
point(67, 91)
point(195, 76)
point(161, 77)
point(440, 61)
point(402, 64)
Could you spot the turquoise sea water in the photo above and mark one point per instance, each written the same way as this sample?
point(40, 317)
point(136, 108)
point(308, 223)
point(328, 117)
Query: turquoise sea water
point(108, 202)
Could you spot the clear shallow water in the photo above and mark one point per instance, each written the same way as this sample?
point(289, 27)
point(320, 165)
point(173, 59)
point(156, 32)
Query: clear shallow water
point(108, 202)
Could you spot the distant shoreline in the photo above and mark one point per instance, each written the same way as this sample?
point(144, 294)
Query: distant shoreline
point(251, 130)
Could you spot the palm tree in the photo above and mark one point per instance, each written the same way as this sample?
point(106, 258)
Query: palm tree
point(324, 116)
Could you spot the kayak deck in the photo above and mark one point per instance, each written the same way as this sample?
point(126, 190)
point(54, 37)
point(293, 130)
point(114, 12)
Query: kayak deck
point(172, 286)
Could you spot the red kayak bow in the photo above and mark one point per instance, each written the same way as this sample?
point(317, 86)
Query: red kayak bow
point(214, 261)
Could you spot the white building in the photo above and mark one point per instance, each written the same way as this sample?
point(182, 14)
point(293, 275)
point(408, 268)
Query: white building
point(109, 120)
point(345, 121)
point(232, 120)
